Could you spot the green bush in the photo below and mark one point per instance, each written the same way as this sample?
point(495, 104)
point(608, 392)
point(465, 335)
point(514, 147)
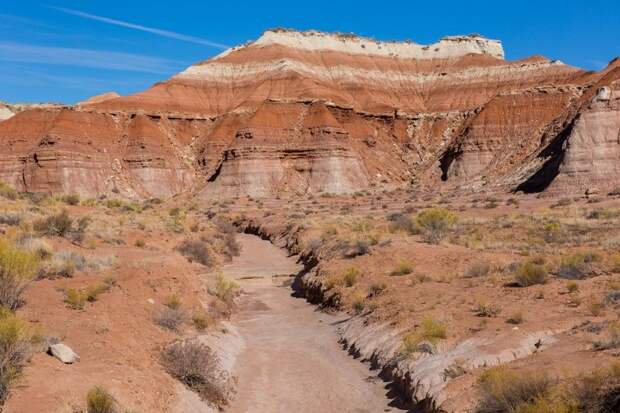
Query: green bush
point(436, 223)
point(17, 270)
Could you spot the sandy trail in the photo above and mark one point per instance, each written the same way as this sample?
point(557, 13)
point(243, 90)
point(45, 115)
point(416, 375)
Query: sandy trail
point(291, 360)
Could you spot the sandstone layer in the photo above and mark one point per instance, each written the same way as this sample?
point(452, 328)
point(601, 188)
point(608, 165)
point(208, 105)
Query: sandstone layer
point(295, 113)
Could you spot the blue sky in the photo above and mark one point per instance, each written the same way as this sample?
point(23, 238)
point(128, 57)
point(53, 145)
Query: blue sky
point(68, 50)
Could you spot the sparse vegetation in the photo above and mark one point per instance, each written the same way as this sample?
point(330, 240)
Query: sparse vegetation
point(18, 268)
point(577, 266)
point(17, 341)
point(225, 289)
point(349, 276)
point(196, 250)
point(478, 269)
point(170, 318)
point(195, 365)
point(504, 390)
point(531, 272)
point(436, 223)
point(98, 400)
point(403, 268)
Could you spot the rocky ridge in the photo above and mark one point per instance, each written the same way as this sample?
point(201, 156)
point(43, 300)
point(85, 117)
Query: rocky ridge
point(308, 112)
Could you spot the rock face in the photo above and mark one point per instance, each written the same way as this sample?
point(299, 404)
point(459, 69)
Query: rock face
point(294, 113)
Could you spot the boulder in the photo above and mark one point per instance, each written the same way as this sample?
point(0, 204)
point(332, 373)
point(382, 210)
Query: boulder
point(63, 353)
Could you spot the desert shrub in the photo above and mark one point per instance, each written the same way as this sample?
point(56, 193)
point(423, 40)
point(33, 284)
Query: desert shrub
point(170, 318)
point(349, 276)
point(70, 199)
point(140, 243)
point(197, 366)
point(358, 304)
point(376, 288)
point(531, 272)
point(598, 391)
point(93, 291)
point(54, 225)
point(432, 330)
point(64, 264)
point(17, 341)
point(98, 400)
point(577, 266)
point(61, 225)
point(231, 247)
point(201, 320)
point(10, 219)
point(36, 245)
point(196, 250)
point(436, 224)
point(402, 222)
point(173, 301)
point(357, 248)
point(596, 307)
point(225, 289)
point(488, 310)
point(17, 270)
point(402, 269)
point(7, 191)
point(553, 232)
point(504, 390)
point(612, 337)
point(478, 269)
point(75, 299)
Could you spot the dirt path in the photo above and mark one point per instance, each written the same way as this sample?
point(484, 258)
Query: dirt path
point(291, 361)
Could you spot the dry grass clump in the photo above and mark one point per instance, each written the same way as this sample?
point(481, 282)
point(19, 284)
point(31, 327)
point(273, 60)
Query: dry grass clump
point(478, 269)
point(173, 302)
point(197, 366)
point(515, 318)
point(612, 339)
point(349, 277)
point(487, 310)
point(598, 391)
point(7, 191)
point(36, 245)
point(402, 222)
point(430, 330)
point(62, 225)
point(17, 342)
point(171, 318)
point(75, 299)
point(18, 268)
point(403, 268)
point(504, 390)
point(70, 199)
point(436, 223)
point(354, 249)
point(201, 320)
point(98, 400)
point(577, 266)
point(196, 250)
point(531, 272)
point(225, 289)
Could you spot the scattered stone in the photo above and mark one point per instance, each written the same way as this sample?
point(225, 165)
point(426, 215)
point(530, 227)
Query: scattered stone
point(63, 353)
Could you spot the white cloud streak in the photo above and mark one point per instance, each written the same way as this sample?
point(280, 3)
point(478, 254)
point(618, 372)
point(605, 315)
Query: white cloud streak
point(100, 59)
point(159, 32)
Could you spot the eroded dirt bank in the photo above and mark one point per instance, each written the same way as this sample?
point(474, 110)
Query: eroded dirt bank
point(290, 358)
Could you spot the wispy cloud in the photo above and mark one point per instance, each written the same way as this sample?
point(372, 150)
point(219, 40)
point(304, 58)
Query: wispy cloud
point(101, 59)
point(153, 30)
point(8, 20)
